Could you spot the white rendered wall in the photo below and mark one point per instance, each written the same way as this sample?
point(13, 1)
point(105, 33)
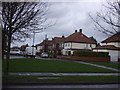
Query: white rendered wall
point(72, 45)
point(117, 44)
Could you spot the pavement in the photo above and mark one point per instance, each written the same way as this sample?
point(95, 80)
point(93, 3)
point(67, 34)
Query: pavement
point(105, 67)
point(65, 74)
point(15, 56)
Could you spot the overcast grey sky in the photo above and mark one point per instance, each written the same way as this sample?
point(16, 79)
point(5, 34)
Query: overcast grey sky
point(70, 16)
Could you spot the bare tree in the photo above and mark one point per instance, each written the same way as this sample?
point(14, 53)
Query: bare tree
point(108, 21)
point(20, 19)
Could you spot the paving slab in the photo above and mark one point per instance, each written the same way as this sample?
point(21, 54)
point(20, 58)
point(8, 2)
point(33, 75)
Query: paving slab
point(105, 67)
point(71, 74)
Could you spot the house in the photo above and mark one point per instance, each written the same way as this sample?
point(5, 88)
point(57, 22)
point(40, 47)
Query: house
point(111, 45)
point(77, 41)
point(113, 40)
point(66, 46)
point(57, 45)
point(51, 46)
point(44, 46)
point(23, 47)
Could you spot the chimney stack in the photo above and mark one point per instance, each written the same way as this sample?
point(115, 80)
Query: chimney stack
point(63, 36)
point(80, 30)
point(75, 31)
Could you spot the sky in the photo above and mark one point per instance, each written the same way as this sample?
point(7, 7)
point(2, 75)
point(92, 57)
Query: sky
point(70, 16)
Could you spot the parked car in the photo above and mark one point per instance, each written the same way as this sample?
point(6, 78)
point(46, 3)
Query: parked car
point(44, 55)
point(22, 53)
point(30, 51)
point(15, 52)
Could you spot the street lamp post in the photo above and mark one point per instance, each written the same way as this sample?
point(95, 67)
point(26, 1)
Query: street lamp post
point(45, 46)
point(33, 44)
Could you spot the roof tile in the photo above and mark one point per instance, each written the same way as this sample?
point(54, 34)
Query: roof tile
point(80, 38)
point(108, 47)
point(114, 38)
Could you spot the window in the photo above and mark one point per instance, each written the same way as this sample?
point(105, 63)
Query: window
point(53, 45)
point(86, 45)
point(68, 44)
point(90, 45)
point(62, 44)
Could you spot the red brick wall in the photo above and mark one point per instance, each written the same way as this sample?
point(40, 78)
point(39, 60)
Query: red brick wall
point(96, 59)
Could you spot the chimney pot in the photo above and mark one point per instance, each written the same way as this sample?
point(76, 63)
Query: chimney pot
point(75, 31)
point(80, 30)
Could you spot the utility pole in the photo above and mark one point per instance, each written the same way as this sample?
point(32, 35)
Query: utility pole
point(45, 47)
point(118, 22)
point(33, 42)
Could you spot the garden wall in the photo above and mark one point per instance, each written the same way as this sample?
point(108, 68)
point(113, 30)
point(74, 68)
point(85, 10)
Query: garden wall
point(92, 59)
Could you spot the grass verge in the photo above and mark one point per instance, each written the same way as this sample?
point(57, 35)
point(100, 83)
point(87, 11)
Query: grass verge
point(115, 65)
point(56, 66)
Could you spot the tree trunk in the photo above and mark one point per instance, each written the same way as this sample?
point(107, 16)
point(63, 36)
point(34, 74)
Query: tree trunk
point(8, 47)
point(8, 54)
point(3, 44)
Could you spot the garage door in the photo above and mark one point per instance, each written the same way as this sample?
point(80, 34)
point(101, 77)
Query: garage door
point(113, 56)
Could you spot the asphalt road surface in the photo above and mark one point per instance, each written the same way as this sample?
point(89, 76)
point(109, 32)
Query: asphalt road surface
point(64, 87)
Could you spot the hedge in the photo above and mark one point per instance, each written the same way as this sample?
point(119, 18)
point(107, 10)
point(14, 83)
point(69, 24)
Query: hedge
point(90, 54)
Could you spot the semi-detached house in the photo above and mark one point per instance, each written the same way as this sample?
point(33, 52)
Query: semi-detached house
point(57, 45)
point(77, 41)
point(111, 45)
point(44, 46)
point(66, 46)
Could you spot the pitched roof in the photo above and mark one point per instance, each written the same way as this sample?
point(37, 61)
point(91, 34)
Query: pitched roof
point(114, 38)
point(58, 39)
point(80, 38)
point(48, 42)
point(23, 47)
point(40, 44)
point(108, 47)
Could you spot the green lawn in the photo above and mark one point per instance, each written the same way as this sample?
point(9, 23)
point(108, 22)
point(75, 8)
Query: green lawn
point(37, 65)
point(61, 79)
point(109, 64)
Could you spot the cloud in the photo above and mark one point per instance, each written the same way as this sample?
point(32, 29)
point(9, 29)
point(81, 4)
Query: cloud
point(70, 16)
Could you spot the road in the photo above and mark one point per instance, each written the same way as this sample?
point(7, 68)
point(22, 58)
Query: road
point(64, 87)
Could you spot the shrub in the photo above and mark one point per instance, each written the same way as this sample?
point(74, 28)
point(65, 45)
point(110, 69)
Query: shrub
point(90, 54)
